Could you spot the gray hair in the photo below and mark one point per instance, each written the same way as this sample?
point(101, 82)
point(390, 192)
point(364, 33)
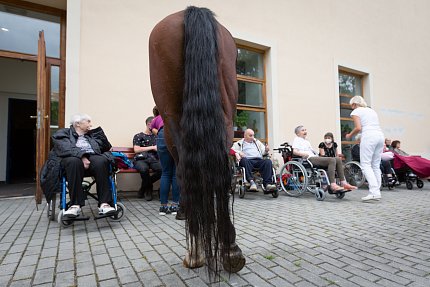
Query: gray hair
point(298, 129)
point(359, 101)
point(77, 118)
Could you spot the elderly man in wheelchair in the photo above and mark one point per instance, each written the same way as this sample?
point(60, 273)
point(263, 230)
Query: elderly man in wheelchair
point(250, 153)
point(302, 148)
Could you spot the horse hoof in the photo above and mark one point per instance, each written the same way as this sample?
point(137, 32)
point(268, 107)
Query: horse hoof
point(235, 262)
point(192, 263)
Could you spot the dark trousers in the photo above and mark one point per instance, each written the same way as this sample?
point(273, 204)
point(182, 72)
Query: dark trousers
point(263, 165)
point(75, 173)
point(143, 167)
point(386, 167)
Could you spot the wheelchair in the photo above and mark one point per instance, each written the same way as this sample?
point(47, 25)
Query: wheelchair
point(354, 173)
point(298, 175)
point(120, 209)
point(241, 185)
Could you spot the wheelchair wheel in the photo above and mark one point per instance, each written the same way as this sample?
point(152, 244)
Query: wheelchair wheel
point(50, 208)
point(293, 178)
point(242, 190)
point(420, 183)
point(121, 212)
point(409, 184)
point(340, 195)
point(275, 193)
point(63, 222)
point(354, 174)
point(319, 194)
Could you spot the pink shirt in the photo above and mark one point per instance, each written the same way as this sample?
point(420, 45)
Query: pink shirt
point(157, 123)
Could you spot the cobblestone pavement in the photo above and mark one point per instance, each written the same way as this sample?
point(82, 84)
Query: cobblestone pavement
point(286, 241)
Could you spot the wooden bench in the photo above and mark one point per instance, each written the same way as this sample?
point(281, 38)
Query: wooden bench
point(129, 152)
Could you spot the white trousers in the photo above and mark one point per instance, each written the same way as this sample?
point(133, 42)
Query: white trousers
point(372, 143)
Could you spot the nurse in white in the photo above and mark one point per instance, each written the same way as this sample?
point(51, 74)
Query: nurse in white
point(372, 142)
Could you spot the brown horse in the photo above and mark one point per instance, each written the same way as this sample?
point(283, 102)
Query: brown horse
point(193, 78)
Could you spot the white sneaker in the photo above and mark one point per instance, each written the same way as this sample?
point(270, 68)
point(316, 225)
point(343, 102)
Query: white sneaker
point(253, 186)
point(371, 197)
point(105, 208)
point(73, 211)
point(270, 187)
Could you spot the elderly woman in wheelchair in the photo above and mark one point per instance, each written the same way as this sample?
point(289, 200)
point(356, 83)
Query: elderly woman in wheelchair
point(79, 152)
point(303, 149)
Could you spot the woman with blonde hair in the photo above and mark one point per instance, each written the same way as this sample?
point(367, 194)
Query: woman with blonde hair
point(366, 121)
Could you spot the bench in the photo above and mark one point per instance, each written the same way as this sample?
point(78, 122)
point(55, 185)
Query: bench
point(129, 152)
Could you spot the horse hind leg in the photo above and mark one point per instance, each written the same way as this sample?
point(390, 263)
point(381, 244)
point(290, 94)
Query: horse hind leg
point(233, 260)
point(194, 258)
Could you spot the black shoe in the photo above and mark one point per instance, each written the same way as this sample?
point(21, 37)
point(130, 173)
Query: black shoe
point(148, 193)
point(180, 215)
point(173, 209)
point(141, 192)
point(164, 209)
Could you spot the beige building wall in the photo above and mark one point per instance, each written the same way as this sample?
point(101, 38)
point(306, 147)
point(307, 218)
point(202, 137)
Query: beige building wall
point(306, 42)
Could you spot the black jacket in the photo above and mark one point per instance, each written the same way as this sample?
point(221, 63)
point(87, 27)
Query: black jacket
point(64, 145)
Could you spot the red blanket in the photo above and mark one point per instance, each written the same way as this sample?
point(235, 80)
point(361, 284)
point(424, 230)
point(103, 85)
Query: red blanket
point(419, 165)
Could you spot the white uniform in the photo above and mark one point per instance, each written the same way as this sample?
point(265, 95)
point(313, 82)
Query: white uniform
point(371, 146)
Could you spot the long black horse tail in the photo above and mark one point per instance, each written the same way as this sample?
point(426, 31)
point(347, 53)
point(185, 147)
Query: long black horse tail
point(203, 167)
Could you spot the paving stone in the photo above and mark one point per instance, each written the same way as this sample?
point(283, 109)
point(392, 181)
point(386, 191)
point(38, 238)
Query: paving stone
point(300, 251)
point(127, 275)
point(24, 272)
point(21, 283)
point(105, 272)
point(84, 268)
point(44, 276)
point(87, 281)
point(65, 279)
point(150, 278)
point(109, 283)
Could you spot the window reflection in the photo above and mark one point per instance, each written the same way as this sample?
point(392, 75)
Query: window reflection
point(250, 93)
point(249, 63)
point(249, 120)
point(19, 31)
point(55, 94)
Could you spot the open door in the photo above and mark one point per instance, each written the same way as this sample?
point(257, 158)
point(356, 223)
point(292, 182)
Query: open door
point(43, 111)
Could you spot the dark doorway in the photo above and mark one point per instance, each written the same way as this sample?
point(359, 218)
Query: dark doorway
point(21, 142)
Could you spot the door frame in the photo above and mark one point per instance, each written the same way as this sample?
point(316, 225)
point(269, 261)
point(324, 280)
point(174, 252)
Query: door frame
point(61, 62)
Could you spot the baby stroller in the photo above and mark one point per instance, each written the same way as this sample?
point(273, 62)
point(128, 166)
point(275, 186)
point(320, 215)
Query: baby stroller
point(410, 169)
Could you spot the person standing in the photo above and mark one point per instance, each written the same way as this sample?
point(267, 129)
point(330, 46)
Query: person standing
point(145, 147)
point(168, 170)
point(366, 121)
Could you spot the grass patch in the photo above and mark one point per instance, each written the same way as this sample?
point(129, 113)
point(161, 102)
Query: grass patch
point(269, 257)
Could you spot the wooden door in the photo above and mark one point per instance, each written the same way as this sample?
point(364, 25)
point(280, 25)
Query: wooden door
point(43, 111)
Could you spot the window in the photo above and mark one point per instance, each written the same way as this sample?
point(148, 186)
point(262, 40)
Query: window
point(251, 106)
point(349, 85)
point(19, 31)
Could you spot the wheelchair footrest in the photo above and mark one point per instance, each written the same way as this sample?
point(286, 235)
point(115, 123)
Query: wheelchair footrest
point(109, 214)
point(78, 218)
point(341, 191)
